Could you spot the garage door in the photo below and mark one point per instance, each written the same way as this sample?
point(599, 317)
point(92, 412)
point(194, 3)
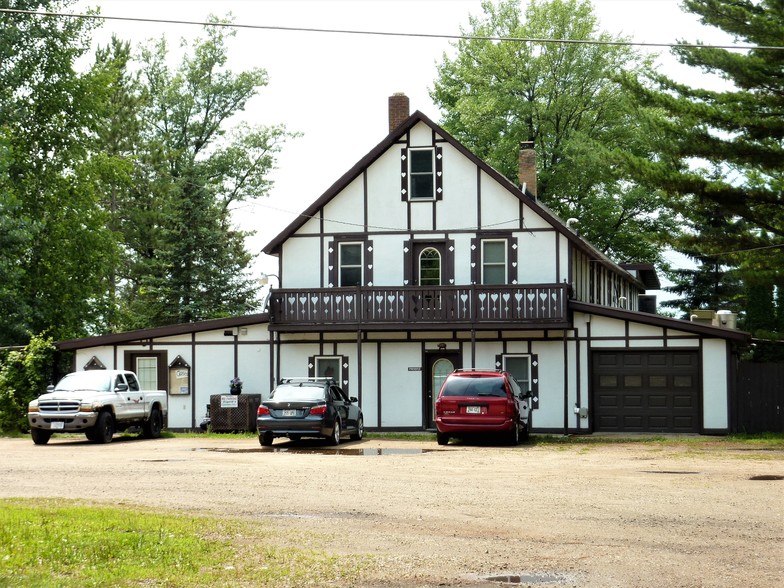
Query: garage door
point(645, 391)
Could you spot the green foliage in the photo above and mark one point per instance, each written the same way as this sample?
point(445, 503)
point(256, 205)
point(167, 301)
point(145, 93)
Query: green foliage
point(48, 544)
point(117, 185)
point(57, 243)
point(564, 97)
point(718, 154)
point(185, 261)
point(24, 376)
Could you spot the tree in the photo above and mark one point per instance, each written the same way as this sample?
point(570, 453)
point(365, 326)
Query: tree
point(187, 261)
point(24, 376)
point(562, 96)
point(58, 244)
point(723, 150)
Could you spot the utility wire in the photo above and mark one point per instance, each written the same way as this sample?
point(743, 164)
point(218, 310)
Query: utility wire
point(534, 40)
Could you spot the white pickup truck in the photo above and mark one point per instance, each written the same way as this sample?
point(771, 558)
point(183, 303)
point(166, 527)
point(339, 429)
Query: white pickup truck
point(97, 403)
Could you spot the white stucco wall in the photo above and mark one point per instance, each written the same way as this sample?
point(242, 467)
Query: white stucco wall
point(401, 390)
point(300, 261)
point(714, 384)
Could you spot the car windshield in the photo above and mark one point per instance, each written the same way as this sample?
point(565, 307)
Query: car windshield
point(475, 386)
point(90, 380)
point(298, 393)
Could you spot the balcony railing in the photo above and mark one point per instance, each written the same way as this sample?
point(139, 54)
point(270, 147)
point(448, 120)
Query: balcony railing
point(507, 306)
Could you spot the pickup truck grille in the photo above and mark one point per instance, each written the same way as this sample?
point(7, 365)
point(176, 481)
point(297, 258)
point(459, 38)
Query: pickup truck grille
point(59, 406)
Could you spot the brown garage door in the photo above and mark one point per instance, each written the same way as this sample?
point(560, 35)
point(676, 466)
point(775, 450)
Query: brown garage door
point(646, 391)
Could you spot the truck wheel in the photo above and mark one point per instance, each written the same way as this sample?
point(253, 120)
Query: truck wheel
point(40, 436)
point(153, 425)
point(104, 428)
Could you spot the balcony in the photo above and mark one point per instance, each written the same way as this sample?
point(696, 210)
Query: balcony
point(413, 308)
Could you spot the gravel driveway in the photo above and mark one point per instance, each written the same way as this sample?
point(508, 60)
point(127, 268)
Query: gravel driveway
point(597, 515)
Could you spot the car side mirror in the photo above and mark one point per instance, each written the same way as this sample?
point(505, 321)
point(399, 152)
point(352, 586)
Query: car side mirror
point(354, 399)
point(121, 388)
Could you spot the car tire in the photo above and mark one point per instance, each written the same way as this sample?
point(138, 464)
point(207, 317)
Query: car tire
point(104, 428)
point(334, 439)
point(360, 430)
point(40, 436)
point(514, 435)
point(295, 437)
point(265, 439)
point(153, 425)
point(442, 438)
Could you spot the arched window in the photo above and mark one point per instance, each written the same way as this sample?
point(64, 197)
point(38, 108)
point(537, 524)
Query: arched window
point(430, 267)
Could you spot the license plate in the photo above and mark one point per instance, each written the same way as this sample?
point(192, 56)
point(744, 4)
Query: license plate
point(289, 412)
point(58, 425)
point(473, 409)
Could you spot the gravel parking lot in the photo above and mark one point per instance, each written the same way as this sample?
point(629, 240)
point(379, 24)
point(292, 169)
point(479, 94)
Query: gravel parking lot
point(596, 515)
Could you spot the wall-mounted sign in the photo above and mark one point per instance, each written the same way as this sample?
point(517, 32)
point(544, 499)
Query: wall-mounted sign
point(414, 369)
point(230, 401)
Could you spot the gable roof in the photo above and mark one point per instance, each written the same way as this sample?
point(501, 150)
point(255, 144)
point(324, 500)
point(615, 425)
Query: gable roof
point(142, 335)
point(273, 247)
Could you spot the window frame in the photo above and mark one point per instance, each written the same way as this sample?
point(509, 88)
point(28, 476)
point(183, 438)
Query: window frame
point(526, 385)
point(483, 264)
point(341, 265)
point(440, 266)
point(419, 174)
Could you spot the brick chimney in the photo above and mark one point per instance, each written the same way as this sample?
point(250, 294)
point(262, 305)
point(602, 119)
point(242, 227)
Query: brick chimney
point(527, 169)
point(398, 110)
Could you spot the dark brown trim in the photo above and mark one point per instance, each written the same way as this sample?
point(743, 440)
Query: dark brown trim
point(274, 247)
point(163, 364)
point(647, 318)
point(145, 335)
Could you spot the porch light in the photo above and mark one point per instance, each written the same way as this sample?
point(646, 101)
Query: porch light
point(264, 279)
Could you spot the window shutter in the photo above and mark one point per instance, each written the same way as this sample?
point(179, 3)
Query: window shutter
point(408, 261)
point(449, 270)
point(512, 269)
point(404, 175)
point(439, 174)
point(332, 261)
point(534, 381)
point(368, 259)
point(475, 270)
point(344, 373)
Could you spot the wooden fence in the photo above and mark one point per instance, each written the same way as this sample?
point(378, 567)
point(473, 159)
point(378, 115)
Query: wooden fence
point(760, 398)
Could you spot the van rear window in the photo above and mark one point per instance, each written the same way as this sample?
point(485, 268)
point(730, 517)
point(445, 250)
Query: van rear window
point(468, 386)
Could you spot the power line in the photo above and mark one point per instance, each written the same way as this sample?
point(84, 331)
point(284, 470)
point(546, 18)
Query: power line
point(540, 41)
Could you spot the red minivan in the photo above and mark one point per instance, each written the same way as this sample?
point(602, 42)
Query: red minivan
point(476, 401)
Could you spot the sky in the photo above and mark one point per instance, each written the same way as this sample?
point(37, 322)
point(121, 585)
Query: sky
point(333, 87)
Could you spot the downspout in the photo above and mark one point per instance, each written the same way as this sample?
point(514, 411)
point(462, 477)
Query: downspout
point(566, 385)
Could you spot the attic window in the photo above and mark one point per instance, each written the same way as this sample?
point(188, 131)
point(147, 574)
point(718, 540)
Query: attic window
point(421, 174)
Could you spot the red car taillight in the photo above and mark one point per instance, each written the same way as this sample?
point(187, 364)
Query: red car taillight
point(438, 406)
point(320, 409)
point(262, 411)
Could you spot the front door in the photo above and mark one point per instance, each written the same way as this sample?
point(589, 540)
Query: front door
point(439, 365)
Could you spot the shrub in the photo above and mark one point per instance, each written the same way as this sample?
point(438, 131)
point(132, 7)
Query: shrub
point(23, 376)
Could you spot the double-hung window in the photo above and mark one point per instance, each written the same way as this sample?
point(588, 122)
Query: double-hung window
point(350, 263)
point(421, 173)
point(494, 261)
point(520, 368)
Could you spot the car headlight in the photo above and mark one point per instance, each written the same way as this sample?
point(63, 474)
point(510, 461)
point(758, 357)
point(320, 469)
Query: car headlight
point(33, 406)
point(87, 407)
